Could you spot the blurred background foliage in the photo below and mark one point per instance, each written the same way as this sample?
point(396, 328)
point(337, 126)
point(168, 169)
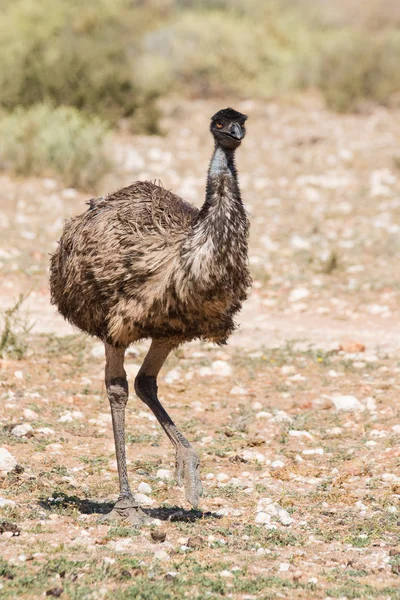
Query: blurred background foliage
point(117, 59)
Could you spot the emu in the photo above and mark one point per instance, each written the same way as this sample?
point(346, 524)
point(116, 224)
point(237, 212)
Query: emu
point(143, 263)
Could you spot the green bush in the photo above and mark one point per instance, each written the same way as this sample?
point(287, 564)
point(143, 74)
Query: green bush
point(116, 58)
point(76, 54)
point(42, 140)
point(354, 67)
point(217, 53)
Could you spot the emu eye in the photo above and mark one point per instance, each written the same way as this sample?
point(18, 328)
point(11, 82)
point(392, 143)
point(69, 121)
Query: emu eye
point(219, 125)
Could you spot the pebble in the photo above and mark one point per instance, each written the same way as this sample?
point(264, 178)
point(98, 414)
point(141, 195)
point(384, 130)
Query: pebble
point(238, 391)
point(144, 488)
point(7, 461)
point(5, 502)
point(173, 376)
point(262, 517)
point(97, 351)
point(267, 506)
point(221, 368)
point(312, 451)
point(284, 566)
point(348, 403)
point(277, 464)
point(222, 477)
point(164, 474)
point(21, 430)
point(298, 433)
point(225, 574)
point(69, 416)
point(143, 499)
point(46, 431)
point(161, 555)
point(298, 294)
point(30, 415)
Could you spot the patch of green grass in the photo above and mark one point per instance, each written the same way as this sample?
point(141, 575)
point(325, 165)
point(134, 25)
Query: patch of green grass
point(44, 140)
point(15, 328)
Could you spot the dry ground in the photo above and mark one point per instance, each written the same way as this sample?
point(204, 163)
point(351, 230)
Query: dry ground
point(301, 498)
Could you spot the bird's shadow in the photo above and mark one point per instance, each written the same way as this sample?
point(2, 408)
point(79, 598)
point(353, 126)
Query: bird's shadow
point(60, 500)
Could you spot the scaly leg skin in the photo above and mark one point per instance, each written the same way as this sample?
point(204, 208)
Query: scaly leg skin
point(126, 508)
point(187, 463)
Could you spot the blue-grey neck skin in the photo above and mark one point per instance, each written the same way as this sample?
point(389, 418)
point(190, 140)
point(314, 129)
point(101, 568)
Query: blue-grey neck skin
point(222, 162)
point(222, 177)
point(214, 254)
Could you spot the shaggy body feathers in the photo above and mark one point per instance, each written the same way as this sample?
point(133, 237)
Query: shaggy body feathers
point(143, 263)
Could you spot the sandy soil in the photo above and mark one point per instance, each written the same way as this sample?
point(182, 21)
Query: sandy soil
point(299, 438)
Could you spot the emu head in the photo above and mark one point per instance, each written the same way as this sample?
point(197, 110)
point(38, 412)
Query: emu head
point(227, 127)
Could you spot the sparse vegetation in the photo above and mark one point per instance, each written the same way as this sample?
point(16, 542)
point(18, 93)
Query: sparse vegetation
point(42, 140)
point(15, 327)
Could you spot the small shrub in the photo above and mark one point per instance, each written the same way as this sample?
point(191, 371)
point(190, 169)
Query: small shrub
point(42, 140)
point(75, 54)
point(15, 328)
point(353, 67)
point(217, 53)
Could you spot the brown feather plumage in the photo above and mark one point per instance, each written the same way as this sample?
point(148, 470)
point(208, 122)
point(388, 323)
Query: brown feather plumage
point(143, 263)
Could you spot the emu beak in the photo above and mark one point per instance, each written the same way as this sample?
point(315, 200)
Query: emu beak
point(236, 131)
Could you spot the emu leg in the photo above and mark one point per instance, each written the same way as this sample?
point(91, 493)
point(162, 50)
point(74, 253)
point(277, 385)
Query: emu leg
point(117, 392)
point(187, 460)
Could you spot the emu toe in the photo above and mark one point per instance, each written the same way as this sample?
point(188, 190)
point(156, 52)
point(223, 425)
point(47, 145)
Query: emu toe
point(187, 473)
point(126, 510)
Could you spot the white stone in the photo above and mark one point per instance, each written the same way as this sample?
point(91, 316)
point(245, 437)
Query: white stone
point(277, 464)
point(221, 368)
point(66, 418)
point(348, 403)
point(263, 414)
point(370, 403)
point(144, 488)
point(205, 371)
point(222, 477)
point(30, 415)
point(238, 391)
point(97, 351)
point(284, 566)
point(298, 294)
point(396, 429)
point(256, 405)
point(287, 369)
point(21, 430)
point(390, 477)
point(46, 431)
point(262, 517)
point(268, 243)
point(164, 474)
point(284, 517)
point(226, 574)
point(18, 375)
point(143, 499)
point(5, 502)
point(161, 555)
point(173, 376)
point(299, 243)
point(298, 433)
point(312, 451)
point(132, 369)
point(262, 503)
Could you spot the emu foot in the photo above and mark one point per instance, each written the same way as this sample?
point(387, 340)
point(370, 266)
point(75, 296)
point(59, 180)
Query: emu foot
point(187, 473)
point(126, 509)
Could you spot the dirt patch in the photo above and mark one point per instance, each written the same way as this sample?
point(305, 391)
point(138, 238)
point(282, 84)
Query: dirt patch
point(301, 495)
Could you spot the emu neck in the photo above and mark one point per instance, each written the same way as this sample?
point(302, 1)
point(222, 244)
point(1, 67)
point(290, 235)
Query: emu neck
point(216, 248)
point(222, 177)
